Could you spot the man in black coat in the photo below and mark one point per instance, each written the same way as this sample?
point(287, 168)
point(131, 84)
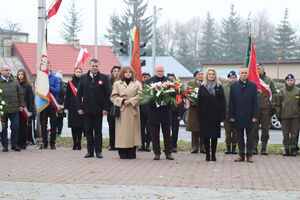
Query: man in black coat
point(160, 115)
point(243, 111)
point(94, 90)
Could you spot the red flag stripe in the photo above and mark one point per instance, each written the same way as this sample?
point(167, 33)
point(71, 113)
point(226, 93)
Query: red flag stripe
point(53, 9)
point(136, 62)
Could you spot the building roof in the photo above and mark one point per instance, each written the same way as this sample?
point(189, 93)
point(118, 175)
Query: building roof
point(171, 65)
point(13, 62)
point(63, 57)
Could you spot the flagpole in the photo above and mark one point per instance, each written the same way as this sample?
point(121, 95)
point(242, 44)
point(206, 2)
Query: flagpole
point(96, 45)
point(154, 39)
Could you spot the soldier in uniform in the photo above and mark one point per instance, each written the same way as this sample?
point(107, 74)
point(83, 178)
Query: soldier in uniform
point(288, 112)
point(231, 135)
point(266, 110)
point(192, 123)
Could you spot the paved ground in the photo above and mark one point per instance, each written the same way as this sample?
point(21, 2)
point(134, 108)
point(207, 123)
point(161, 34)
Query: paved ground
point(188, 171)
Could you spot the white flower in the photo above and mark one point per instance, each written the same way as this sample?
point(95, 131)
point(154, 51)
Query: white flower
point(1, 91)
point(1, 113)
point(3, 102)
point(1, 107)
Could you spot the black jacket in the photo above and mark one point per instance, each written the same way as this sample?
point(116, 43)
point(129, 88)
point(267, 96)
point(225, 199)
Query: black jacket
point(243, 103)
point(162, 114)
point(29, 99)
point(211, 111)
point(62, 92)
point(95, 94)
point(74, 119)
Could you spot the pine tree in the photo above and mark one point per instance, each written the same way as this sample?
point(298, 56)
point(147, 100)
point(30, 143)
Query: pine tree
point(233, 41)
point(285, 39)
point(72, 25)
point(209, 48)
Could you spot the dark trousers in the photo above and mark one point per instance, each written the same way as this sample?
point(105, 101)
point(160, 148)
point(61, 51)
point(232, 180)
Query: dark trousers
point(241, 141)
point(51, 113)
point(175, 130)
point(210, 144)
point(145, 132)
point(93, 127)
point(127, 153)
point(112, 130)
point(154, 128)
point(14, 126)
point(23, 128)
point(77, 134)
point(60, 123)
point(30, 131)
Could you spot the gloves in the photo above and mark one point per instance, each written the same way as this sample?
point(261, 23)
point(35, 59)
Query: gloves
point(272, 112)
point(279, 119)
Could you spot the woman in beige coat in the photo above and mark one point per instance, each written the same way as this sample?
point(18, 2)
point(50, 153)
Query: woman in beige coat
point(126, 95)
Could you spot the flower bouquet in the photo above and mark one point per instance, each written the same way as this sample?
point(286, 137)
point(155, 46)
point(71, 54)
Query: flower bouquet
point(2, 105)
point(167, 93)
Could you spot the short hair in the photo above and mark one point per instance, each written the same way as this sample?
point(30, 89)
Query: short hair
point(115, 67)
point(124, 70)
point(94, 60)
point(78, 68)
point(170, 74)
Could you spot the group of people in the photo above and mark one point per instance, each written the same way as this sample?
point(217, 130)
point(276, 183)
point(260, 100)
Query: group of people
point(86, 98)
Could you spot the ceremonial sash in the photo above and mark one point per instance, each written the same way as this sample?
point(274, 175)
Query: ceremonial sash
point(73, 88)
point(26, 113)
point(54, 103)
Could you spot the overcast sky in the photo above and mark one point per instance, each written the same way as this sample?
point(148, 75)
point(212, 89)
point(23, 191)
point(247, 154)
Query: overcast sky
point(25, 13)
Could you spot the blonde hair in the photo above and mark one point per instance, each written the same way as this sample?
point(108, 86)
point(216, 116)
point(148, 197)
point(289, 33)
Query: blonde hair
point(218, 83)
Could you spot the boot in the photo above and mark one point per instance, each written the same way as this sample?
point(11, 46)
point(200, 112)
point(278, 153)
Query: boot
point(156, 157)
point(169, 157)
point(207, 158)
point(286, 153)
point(79, 145)
point(147, 149)
point(254, 152)
point(293, 152)
point(206, 145)
point(264, 151)
point(233, 149)
point(213, 149)
point(142, 148)
point(75, 146)
point(228, 150)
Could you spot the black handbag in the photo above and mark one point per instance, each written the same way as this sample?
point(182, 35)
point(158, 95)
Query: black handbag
point(114, 111)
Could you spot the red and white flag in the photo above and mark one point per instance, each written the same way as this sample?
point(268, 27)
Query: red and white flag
point(82, 56)
point(26, 113)
point(53, 9)
point(54, 102)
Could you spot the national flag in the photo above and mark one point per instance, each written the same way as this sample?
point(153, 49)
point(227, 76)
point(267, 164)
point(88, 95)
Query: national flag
point(82, 56)
point(54, 102)
point(42, 80)
point(136, 61)
point(53, 9)
point(26, 113)
point(251, 63)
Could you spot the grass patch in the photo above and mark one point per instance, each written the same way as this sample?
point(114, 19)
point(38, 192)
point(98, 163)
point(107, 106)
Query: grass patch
point(67, 142)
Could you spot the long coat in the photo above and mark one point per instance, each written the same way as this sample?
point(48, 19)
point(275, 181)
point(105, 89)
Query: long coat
point(192, 122)
point(74, 119)
point(128, 128)
point(211, 111)
point(243, 103)
point(161, 114)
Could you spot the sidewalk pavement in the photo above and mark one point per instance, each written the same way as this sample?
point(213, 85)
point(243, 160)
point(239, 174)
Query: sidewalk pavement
point(268, 175)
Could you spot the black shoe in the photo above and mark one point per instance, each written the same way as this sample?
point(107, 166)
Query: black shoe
point(255, 152)
point(5, 149)
point(169, 157)
point(264, 152)
point(156, 157)
point(286, 153)
point(79, 146)
point(112, 149)
point(293, 152)
point(75, 147)
point(53, 146)
point(99, 155)
point(228, 151)
point(207, 156)
point(202, 151)
point(23, 147)
point(233, 149)
point(89, 155)
point(194, 151)
point(44, 146)
point(213, 157)
point(16, 148)
point(147, 149)
point(174, 150)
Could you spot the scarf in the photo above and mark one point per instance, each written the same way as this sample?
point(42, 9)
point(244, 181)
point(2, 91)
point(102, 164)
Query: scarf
point(211, 88)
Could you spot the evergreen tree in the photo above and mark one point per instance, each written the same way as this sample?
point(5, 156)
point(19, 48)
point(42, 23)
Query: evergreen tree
point(285, 39)
point(209, 47)
point(232, 41)
point(72, 24)
point(122, 26)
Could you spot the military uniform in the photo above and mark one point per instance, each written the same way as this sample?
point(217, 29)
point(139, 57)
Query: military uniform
point(288, 110)
point(265, 108)
point(230, 132)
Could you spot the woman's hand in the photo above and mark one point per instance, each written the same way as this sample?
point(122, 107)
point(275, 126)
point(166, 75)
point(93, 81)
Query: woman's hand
point(127, 102)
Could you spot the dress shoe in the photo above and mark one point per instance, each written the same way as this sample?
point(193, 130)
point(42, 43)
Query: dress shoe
point(53, 146)
point(174, 150)
point(255, 152)
point(169, 157)
point(202, 151)
point(99, 155)
point(16, 148)
point(233, 151)
point(286, 153)
point(293, 152)
point(89, 155)
point(264, 152)
point(79, 147)
point(75, 147)
point(213, 157)
point(228, 151)
point(5, 149)
point(156, 157)
point(23, 147)
point(239, 159)
point(147, 148)
point(207, 158)
point(112, 149)
point(250, 160)
point(194, 151)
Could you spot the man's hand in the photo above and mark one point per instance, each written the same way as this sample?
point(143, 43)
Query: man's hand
point(21, 109)
point(254, 120)
point(80, 112)
point(179, 118)
point(104, 112)
point(126, 102)
point(231, 120)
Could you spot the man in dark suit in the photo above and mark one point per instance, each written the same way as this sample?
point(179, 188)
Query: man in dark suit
point(243, 112)
point(93, 102)
point(160, 116)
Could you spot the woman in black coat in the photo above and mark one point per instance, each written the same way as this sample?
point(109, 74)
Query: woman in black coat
point(26, 118)
point(211, 112)
point(75, 121)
